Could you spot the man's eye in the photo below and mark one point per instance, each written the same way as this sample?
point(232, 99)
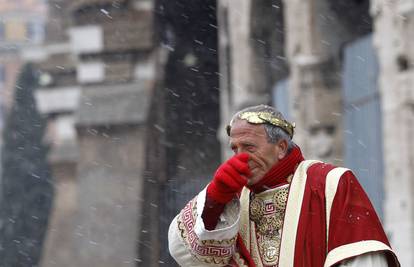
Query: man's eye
point(250, 148)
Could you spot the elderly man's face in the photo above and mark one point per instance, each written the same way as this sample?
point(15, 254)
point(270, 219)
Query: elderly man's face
point(252, 139)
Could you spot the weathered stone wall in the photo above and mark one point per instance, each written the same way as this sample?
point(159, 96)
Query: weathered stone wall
point(183, 151)
point(109, 195)
point(57, 99)
point(59, 248)
point(393, 39)
point(252, 56)
point(96, 77)
point(252, 61)
point(315, 34)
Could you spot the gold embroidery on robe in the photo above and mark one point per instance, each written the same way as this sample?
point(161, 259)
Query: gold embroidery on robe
point(266, 211)
point(216, 252)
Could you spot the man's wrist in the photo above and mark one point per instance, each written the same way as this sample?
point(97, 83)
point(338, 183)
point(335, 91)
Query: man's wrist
point(211, 213)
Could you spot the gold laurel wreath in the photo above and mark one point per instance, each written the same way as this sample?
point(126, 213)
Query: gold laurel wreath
point(260, 117)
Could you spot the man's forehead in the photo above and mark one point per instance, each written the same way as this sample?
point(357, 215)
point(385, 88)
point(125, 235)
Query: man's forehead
point(242, 127)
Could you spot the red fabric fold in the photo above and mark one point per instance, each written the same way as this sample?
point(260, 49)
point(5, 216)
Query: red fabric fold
point(310, 245)
point(244, 252)
point(352, 218)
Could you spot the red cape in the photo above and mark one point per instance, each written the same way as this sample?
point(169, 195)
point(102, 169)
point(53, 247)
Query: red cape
point(354, 227)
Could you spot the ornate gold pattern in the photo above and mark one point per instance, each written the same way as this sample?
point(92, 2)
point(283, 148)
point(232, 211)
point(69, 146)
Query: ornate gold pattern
point(224, 242)
point(270, 250)
point(238, 259)
point(254, 248)
point(244, 216)
point(215, 252)
point(280, 198)
point(269, 225)
point(266, 211)
point(256, 209)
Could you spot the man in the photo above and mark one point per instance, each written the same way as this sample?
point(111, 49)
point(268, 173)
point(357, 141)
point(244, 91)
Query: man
point(267, 206)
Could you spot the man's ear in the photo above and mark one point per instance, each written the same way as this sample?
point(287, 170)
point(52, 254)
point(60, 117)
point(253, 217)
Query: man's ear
point(283, 148)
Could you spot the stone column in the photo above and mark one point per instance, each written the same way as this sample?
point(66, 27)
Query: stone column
point(109, 196)
point(234, 63)
point(394, 40)
point(113, 46)
point(313, 38)
point(57, 99)
point(59, 248)
point(251, 56)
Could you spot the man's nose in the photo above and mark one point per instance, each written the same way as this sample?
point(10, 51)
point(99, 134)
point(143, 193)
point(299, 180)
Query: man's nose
point(241, 150)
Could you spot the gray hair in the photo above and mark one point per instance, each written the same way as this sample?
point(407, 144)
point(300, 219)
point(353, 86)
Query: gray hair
point(274, 133)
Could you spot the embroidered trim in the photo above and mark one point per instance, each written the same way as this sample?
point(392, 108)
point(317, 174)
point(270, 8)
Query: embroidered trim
point(267, 210)
point(254, 253)
point(244, 217)
point(292, 214)
point(217, 252)
point(239, 260)
point(331, 185)
point(352, 250)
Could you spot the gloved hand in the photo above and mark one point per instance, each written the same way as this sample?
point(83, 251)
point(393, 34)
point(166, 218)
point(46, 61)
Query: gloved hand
point(229, 179)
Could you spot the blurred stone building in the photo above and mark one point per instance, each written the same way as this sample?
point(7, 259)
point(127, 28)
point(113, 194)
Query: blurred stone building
point(137, 95)
point(97, 70)
point(22, 25)
point(126, 91)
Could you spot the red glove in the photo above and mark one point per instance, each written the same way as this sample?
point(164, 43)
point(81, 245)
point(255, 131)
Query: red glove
point(229, 179)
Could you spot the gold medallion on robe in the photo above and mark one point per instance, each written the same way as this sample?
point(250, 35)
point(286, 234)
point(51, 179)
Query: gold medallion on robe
point(267, 210)
point(270, 250)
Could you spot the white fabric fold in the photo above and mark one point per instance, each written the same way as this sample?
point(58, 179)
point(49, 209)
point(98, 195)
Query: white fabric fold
point(372, 259)
point(179, 251)
point(228, 224)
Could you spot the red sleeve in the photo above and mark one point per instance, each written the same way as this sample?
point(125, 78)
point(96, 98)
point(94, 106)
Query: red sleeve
point(211, 213)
